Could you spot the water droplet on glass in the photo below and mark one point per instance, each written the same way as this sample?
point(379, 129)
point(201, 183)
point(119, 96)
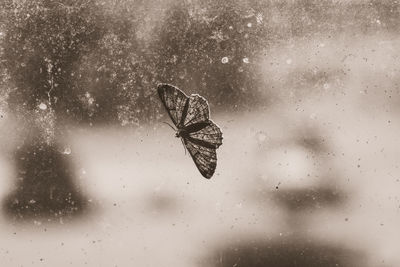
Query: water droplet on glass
point(313, 116)
point(224, 60)
point(42, 106)
point(67, 151)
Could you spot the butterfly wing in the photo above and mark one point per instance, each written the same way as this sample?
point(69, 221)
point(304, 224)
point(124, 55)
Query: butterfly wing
point(202, 141)
point(198, 110)
point(175, 102)
point(205, 158)
point(205, 133)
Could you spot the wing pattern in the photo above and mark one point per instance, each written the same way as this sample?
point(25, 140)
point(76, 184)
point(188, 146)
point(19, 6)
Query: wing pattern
point(198, 110)
point(211, 134)
point(174, 101)
point(205, 158)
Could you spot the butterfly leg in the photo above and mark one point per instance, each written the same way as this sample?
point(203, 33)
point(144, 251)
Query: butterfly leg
point(184, 147)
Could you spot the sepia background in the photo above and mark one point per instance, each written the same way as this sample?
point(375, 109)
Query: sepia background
point(305, 92)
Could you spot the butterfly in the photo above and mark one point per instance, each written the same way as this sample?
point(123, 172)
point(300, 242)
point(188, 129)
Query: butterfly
point(191, 116)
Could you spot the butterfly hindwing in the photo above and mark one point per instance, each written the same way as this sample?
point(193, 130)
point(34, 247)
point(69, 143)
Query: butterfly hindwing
point(205, 158)
point(208, 133)
point(175, 102)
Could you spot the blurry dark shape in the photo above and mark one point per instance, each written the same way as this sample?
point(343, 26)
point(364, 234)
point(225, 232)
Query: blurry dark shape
point(285, 253)
point(313, 143)
point(299, 199)
point(163, 203)
point(42, 43)
point(211, 48)
point(44, 187)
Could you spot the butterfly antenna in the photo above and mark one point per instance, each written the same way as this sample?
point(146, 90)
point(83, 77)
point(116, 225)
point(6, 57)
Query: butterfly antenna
point(169, 125)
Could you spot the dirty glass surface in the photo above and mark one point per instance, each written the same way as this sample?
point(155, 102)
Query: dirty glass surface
point(306, 94)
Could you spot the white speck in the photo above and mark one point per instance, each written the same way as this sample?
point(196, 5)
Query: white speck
point(230, 28)
point(32, 201)
point(246, 60)
point(83, 171)
point(91, 101)
point(67, 151)
point(326, 86)
point(42, 106)
point(321, 45)
point(289, 61)
point(224, 60)
point(261, 136)
point(249, 24)
point(259, 18)
point(378, 21)
point(1, 33)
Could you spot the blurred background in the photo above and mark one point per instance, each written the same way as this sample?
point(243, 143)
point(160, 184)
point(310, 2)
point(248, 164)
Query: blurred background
point(305, 92)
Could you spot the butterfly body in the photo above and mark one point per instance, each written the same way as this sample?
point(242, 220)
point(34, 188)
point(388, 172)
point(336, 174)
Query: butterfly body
point(200, 135)
point(182, 133)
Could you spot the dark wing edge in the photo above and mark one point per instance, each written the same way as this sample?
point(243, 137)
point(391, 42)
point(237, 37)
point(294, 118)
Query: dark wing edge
point(174, 100)
point(204, 158)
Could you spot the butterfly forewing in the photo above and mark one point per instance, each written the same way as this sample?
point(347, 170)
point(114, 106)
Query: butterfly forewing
point(198, 110)
point(175, 102)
